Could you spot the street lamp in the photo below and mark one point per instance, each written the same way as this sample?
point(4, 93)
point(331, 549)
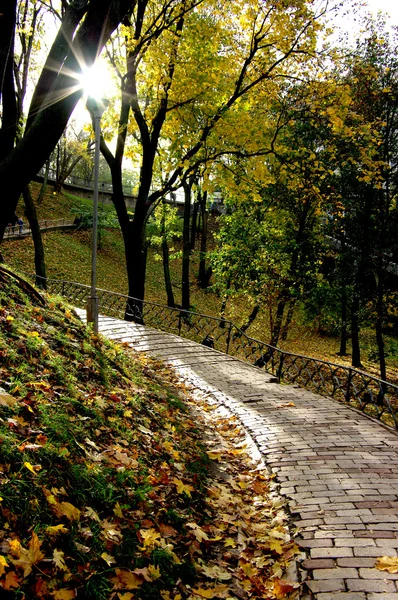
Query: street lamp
point(96, 109)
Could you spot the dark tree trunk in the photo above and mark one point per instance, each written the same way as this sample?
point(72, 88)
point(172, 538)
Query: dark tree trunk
point(288, 320)
point(185, 300)
point(380, 321)
point(356, 350)
point(166, 272)
point(343, 332)
point(194, 224)
point(9, 119)
point(276, 329)
point(204, 273)
point(31, 215)
point(166, 262)
point(40, 138)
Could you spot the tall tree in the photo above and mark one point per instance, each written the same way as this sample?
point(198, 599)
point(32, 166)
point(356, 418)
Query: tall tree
point(78, 44)
point(190, 76)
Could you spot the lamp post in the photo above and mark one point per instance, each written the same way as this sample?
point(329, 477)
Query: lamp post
point(96, 109)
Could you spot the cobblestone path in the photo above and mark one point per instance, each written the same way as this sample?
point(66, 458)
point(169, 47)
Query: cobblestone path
point(337, 468)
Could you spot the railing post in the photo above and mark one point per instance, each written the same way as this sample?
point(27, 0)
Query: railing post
point(228, 337)
point(348, 390)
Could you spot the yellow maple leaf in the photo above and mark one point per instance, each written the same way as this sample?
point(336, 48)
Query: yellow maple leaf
point(276, 545)
point(219, 591)
point(66, 509)
point(118, 510)
point(108, 559)
point(126, 596)
point(230, 542)
point(150, 537)
point(154, 572)
point(58, 560)
point(55, 529)
point(248, 570)
point(182, 488)
point(30, 556)
point(3, 565)
point(387, 563)
point(64, 594)
point(125, 580)
point(15, 548)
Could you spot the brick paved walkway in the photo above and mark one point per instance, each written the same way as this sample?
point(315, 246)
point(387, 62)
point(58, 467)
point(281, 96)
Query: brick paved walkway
point(337, 468)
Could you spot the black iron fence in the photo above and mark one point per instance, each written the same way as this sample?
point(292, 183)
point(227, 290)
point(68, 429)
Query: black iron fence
point(360, 390)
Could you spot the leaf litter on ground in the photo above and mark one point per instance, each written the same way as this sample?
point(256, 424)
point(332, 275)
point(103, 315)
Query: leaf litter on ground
point(113, 483)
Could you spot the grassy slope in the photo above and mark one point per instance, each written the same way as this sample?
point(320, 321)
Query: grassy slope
point(68, 256)
point(106, 488)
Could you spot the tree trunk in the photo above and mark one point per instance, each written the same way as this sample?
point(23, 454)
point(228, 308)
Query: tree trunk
point(185, 301)
point(380, 321)
point(166, 262)
point(8, 130)
point(31, 215)
point(288, 320)
point(276, 329)
point(204, 273)
point(194, 223)
point(356, 350)
point(343, 332)
point(31, 152)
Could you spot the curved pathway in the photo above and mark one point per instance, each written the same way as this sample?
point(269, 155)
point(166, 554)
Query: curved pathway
point(337, 468)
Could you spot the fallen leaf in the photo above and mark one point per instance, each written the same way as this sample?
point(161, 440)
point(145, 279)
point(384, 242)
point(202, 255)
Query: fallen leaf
point(108, 559)
point(154, 572)
point(387, 563)
point(182, 488)
point(126, 580)
point(3, 565)
point(219, 591)
point(15, 548)
point(282, 588)
point(64, 594)
point(32, 468)
point(149, 537)
point(11, 581)
point(66, 509)
point(55, 529)
point(29, 557)
point(58, 560)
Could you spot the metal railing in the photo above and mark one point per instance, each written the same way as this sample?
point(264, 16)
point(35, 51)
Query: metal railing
point(360, 390)
point(17, 230)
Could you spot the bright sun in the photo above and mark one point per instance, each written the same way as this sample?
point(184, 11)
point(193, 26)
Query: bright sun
point(97, 81)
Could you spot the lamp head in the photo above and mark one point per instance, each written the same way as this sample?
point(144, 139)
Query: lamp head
point(96, 106)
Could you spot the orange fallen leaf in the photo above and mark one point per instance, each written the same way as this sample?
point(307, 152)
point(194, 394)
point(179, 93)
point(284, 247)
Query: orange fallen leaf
point(11, 581)
point(282, 588)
